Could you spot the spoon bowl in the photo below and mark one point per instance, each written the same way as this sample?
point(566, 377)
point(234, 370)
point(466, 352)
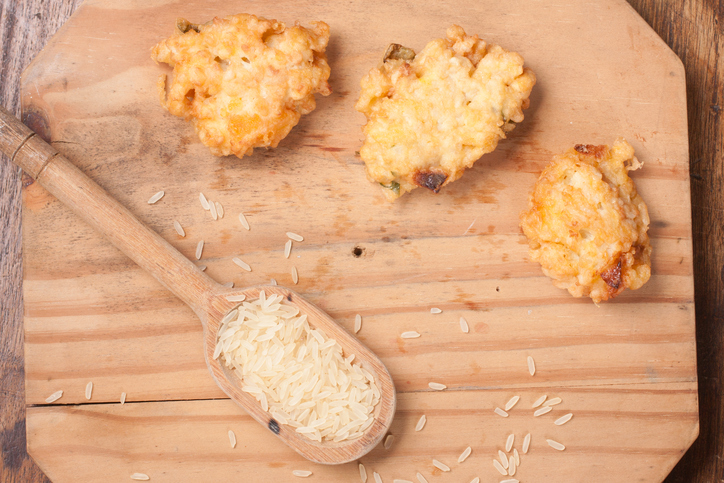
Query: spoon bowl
point(207, 298)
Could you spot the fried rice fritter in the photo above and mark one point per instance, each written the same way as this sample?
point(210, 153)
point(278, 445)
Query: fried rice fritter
point(243, 81)
point(431, 115)
point(586, 224)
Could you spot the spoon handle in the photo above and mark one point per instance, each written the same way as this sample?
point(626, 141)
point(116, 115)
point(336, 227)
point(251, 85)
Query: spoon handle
point(91, 203)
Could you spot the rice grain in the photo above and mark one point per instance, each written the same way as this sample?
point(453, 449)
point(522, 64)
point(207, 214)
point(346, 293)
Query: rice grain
point(388, 441)
point(362, 473)
point(421, 478)
point(228, 284)
point(140, 477)
point(563, 419)
point(199, 250)
point(553, 402)
point(500, 412)
point(440, 465)
point(464, 455)
point(421, 423)
point(500, 468)
point(295, 237)
point(511, 465)
point(241, 263)
point(464, 325)
point(475, 480)
point(510, 480)
point(539, 401)
point(204, 202)
point(503, 460)
point(542, 411)
point(123, 398)
point(287, 248)
point(212, 209)
point(517, 457)
point(400, 481)
point(244, 222)
point(531, 365)
point(526, 443)
point(437, 386)
point(357, 323)
point(378, 478)
point(219, 209)
point(179, 229)
point(410, 335)
point(232, 439)
point(435, 310)
point(295, 275)
point(509, 442)
point(236, 298)
point(302, 473)
point(512, 402)
point(154, 199)
point(54, 397)
point(89, 390)
point(555, 445)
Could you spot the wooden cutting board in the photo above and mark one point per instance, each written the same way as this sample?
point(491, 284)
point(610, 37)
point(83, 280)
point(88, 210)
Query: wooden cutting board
point(626, 369)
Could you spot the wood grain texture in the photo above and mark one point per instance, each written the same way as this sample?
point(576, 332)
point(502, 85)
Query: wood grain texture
point(681, 21)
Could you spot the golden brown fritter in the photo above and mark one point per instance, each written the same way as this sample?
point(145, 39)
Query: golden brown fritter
point(242, 80)
point(431, 115)
point(586, 224)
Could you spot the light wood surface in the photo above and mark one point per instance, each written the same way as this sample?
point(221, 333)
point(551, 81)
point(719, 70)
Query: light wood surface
point(91, 315)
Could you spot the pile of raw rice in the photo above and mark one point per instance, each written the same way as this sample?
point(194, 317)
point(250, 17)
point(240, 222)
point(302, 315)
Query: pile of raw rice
point(299, 376)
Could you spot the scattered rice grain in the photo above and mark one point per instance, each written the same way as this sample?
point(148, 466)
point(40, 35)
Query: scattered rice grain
point(228, 285)
point(555, 445)
point(140, 477)
point(500, 468)
point(273, 282)
point(243, 221)
point(475, 480)
point(509, 442)
point(236, 298)
point(563, 419)
point(421, 423)
point(302, 473)
point(512, 402)
point(503, 459)
point(123, 398)
point(295, 237)
point(539, 401)
point(510, 480)
point(421, 478)
point(362, 473)
point(199, 250)
point(400, 481)
point(179, 229)
point(411, 334)
point(511, 465)
point(435, 310)
point(89, 390)
point(54, 397)
point(287, 248)
point(389, 440)
point(295, 275)
point(440, 465)
point(204, 202)
point(542, 411)
point(241, 263)
point(153, 199)
point(553, 402)
point(212, 209)
point(437, 386)
point(232, 439)
point(500, 412)
point(464, 325)
point(526, 443)
point(378, 478)
point(531, 365)
point(357, 323)
point(219, 209)
point(202, 268)
point(517, 457)
point(464, 455)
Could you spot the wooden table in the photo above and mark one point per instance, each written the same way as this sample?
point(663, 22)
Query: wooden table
point(690, 28)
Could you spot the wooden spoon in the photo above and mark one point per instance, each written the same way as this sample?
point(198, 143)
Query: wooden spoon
point(205, 296)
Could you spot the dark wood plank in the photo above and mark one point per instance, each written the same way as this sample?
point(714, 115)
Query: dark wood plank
point(693, 31)
point(25, 27)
